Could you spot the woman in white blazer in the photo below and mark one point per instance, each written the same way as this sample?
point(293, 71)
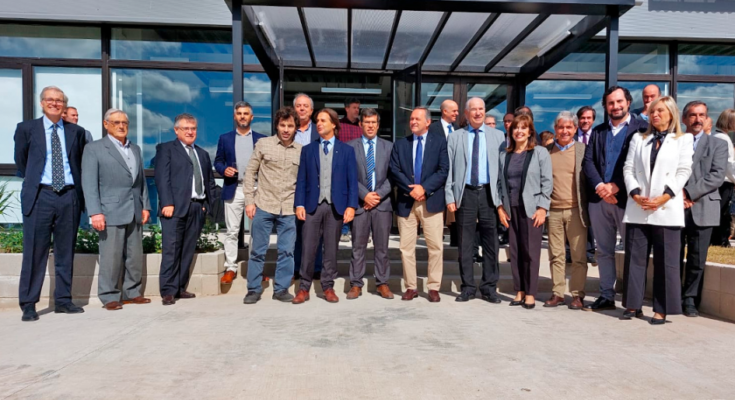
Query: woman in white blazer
point(657, 167)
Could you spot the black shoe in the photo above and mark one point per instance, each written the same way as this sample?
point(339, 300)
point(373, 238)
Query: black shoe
point(478, 259)
point(630, 314)
point(528, 306)
point(492, 298)
point(283, 296)
point(600, 304)
point(592, 260)
point(517, 302)
point(690, 310)
point(29, 313)
point(251, 298)
point(69, 308)
point(464, 296)
point(657, 321)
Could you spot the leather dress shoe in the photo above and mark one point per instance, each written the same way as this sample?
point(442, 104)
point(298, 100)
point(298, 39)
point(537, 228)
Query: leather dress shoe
point(168, 300)
point(630, 314)
point(384, 292)
point(528, 306)
point(657, 321)
point(251, 297)
point(576, 304)
point(690, 310)
point(491, 298)
point(434, 296)
point(68, 308)
point(227, 278)
point(601, 304)
point(137, 300)
point(463, 297)
point(113, 305)
point(186, 295)
point(554, 301)
point(410, 294)
point(29, 313)
point(514, 303)
point(330, 296)
point(354, 293)
point(301, 296)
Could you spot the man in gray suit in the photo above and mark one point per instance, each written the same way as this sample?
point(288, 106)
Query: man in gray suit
point(116, 195)
point(471, 193)
point(375, 213)
point(701, 203)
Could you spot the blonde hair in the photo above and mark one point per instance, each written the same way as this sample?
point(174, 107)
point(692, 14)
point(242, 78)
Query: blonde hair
point(674, 125)
point(726, 121)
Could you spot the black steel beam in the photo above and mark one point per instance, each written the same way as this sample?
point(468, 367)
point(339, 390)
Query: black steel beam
point(256, 39)
point(349, 38)
point(106, 86)
point(473, 41)
point(517, 40)
point(611, 53)
point(434, 37)
point(391, 38)
point(237, 56)
point(307, 35)
point(29, 99)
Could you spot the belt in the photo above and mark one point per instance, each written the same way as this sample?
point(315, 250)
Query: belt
point(198, 201)
point(64, 189)
point(470, 187)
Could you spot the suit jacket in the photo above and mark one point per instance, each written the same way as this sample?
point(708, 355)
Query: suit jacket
point(344, 178)
point(673, 168)
point(226, 157)
point(174, 173)
point(30, 158)
point(536, 184)
point(383, 185)
point(434, 171)
point(436, 127)
point(579, 177)
point(708, 173)
point(594, 160)
point(109, 187)
point(459, 161)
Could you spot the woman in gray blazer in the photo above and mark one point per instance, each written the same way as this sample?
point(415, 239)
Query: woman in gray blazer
point(526, 185)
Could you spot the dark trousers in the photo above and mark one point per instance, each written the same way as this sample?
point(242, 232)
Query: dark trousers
point(478, 210)
point(525, 251)
point(298, 247)
point(178, 243)
point(721, 234)
point(696, 240)
point(666, 244)
point(379, 223)
point(54, 214)
point(324, 224)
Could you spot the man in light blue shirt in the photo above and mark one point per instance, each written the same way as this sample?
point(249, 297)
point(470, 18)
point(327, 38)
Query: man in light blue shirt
point(46, 178)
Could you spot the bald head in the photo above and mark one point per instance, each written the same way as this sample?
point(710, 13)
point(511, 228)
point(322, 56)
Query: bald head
point(450, 111)
point(650, 94)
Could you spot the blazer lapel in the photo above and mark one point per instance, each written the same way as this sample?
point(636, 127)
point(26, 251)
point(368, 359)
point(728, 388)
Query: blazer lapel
point(180, 148)
point(70, 139)
point(578, 158)
point(646, 155)
point(360, 157)
point(39, 137)
point(701, 147)
point(117, 156)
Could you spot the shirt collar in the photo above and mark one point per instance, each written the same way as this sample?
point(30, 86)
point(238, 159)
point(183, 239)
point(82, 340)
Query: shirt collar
point(481, 129)
point(564, 147)
point(119, 143)
point(446, 123)
point(250, 130)
point(331, 141)
point(305, 130)
point(365, 140)
point(698, 135)
point(47, 124)
point(415, 136)
point(626, 122)
point(184, 144)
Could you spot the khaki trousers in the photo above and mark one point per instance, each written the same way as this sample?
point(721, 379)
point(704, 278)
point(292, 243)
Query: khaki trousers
point(567, 224)
point(433, 224)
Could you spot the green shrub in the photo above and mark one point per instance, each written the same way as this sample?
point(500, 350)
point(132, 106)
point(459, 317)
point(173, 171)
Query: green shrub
point(88, 242)
point(152, 241)
point(11, 241)
point(208, 241)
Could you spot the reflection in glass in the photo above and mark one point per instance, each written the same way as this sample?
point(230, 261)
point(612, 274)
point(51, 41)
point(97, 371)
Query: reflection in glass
point(495, 96)
point(636, 90)
point(634, 58)
point(370, 34)
point(718, 96)
point(283, 30)
point(453, 39)
point(181, 45)
point(412, 36)
point(547, 98)
point(403, 103)
point(706, 59)
point(50, 41)
point(328, 33)
point(11, 110)
point(433, 94)
point(83, 87)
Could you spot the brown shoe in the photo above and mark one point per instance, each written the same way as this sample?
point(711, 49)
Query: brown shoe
point(354, 293)
point(410, 295)
point(576, 304)
point(168, 300)
point(301, 296)
point(554, 301)
point(385, 292)
point(137, 300)
point(186, 295)
point(330, 296)
point(113, 305)
point(227, 278)
point(434, 296)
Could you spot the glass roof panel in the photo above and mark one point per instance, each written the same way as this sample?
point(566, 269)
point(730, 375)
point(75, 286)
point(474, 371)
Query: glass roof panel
point(546, 36)
point(412, 36)
point(328, 32)
point(456, 34)
point(285, 34)
point(505, 29)
point(370, 35)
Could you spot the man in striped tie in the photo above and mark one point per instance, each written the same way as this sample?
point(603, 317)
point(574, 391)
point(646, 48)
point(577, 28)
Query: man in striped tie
point(375, 213)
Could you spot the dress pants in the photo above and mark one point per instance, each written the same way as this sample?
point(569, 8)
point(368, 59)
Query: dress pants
point(433, 224)
point(54, 214)
point(666, 243)
point(379, 223)
point(696, 240)
point(477, 212)
point(179, 238)
point(260, 234)
point(566, 225)
point(324, 224)
point(298, 247)
point(525, 251)
point(721, 234)
point(121, 257)
point(607, 223)
point(234, 211)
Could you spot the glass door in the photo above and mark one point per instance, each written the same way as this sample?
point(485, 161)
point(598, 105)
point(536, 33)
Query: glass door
point(406, 95)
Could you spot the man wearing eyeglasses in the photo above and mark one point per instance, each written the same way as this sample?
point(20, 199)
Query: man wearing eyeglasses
point(48, 154)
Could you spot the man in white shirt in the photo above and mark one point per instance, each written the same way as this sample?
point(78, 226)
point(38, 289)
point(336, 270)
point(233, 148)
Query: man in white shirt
point(447, 123)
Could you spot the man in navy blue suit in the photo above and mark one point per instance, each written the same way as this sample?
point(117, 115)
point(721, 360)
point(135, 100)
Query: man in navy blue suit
point(419, 165)
point(326, 197)
point(233, 154)
point(48, 154)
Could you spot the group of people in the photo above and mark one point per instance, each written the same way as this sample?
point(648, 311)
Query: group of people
point(637, 176)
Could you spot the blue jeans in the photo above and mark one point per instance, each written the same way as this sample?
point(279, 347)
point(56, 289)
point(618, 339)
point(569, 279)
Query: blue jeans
point(260, 232)
point(607, 222)
point(346, 228)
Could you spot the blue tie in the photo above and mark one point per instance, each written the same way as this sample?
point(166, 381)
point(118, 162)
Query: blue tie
point(370, 165)
point(418, 161)
point(475, 171)
point(326, 147)
point(449, 128)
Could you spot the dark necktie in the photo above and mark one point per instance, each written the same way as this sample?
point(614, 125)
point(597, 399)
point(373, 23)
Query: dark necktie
point(475, 172)
point(326, 147)
point(57, 162)
point(417, 163)
point(198, 189)
point(370, 165)
point(585, 137)
point(450, 129)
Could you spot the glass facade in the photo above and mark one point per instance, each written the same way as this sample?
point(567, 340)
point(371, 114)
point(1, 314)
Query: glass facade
point(547, 98)
point(706, 59)
point(11, 110)
point(718, 96)
point(18, 40)
point(633, 58)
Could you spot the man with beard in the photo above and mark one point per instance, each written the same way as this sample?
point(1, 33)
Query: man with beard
point(233, 154)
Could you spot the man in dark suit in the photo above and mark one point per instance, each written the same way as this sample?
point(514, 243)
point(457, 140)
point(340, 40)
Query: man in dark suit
point(48, 154)
point(326, 197)
point(701, 203)
point(606, 194)
point(376, 209)
point(185, 183)
point(586, 117)
point(420, 198)
point(233, 154)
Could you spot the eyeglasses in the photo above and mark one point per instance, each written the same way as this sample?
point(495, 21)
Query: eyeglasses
point(119, 123)
point(194, 129)
point(53, 101)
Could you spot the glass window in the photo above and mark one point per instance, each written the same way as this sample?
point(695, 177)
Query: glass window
point(433, 94)
point(706, 59)
point(636, 90)
point(282, 27)
point(180, 45)
point(50, 41)
point(83, 87)
point(11, 110)
point(257, 92)
point(328, 33)
point(634, 58)
point(502, 31)
point(547, 98)
point(453, 40)
point(412, 36)
point(495, 96)
point(718, 96)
